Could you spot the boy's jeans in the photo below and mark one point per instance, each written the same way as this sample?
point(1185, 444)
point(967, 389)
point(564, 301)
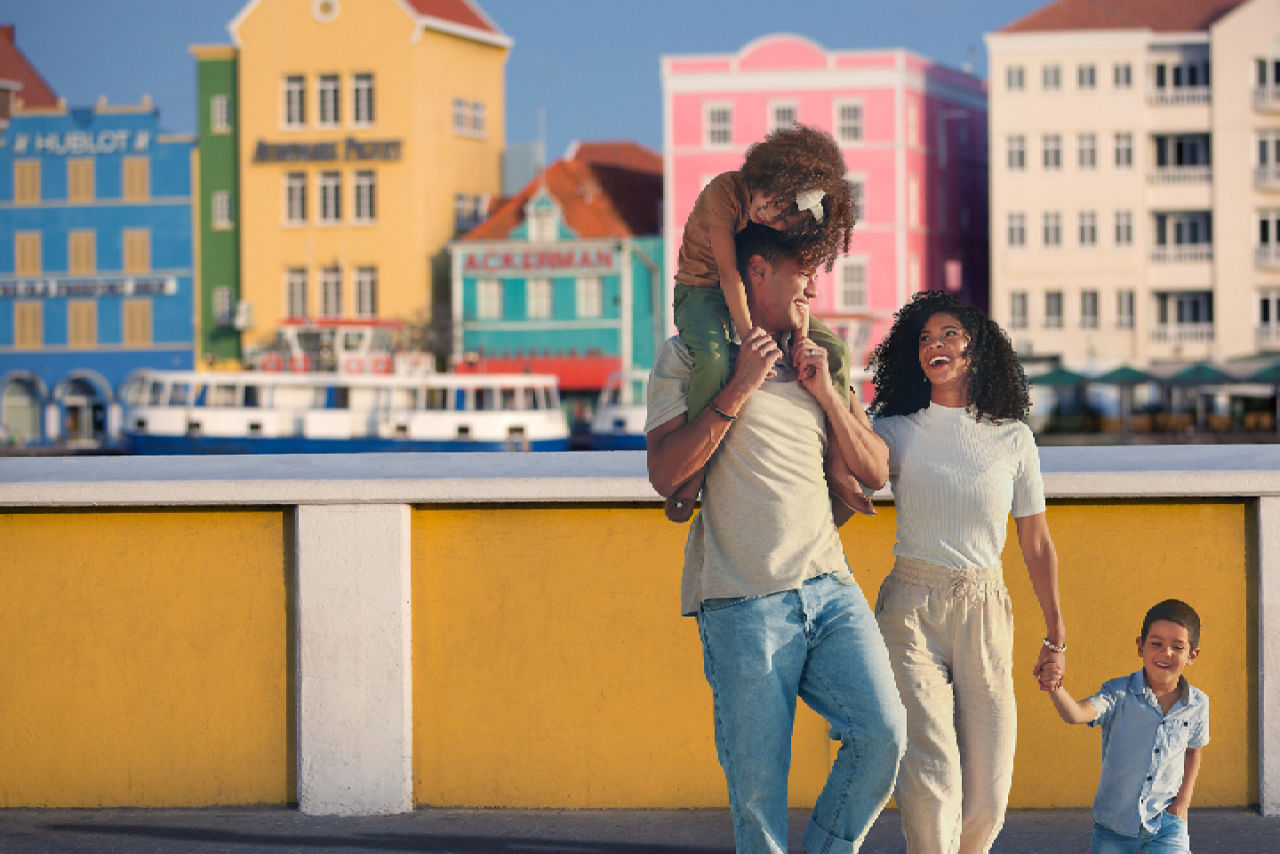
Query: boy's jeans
point(819, 642)
point(1170, 838)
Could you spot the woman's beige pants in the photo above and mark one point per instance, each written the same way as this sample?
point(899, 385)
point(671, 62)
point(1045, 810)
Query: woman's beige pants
point(950, 640)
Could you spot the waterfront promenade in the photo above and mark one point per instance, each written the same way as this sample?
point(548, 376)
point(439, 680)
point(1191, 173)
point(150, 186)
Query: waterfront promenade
point(271, 830)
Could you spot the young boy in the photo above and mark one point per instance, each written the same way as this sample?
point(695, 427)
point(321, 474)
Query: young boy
point(1153, 727)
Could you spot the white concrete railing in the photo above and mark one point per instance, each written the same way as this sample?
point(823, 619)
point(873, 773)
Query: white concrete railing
point(356, 507)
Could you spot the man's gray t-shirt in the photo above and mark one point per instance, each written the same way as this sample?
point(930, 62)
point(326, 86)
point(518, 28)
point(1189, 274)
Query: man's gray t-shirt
point(766, 523)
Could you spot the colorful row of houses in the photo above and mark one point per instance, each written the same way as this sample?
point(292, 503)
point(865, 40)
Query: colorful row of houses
point(350, 163)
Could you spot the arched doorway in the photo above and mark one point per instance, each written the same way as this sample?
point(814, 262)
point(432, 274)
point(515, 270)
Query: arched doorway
point(21, 402)
point(83, 402)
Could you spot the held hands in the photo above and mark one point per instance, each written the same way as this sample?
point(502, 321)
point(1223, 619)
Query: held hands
point(810, 360)
point(1050, 669)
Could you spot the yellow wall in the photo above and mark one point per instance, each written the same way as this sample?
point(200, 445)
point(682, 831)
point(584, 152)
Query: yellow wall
point(551, 667)
point(144, 654)
point(415, 81)
point(143, 659)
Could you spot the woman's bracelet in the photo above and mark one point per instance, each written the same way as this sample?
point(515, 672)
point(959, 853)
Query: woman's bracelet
point(1053, 647)
point(718, 411)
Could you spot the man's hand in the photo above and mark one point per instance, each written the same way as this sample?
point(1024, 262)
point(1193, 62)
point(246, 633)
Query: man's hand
point(811, 366)
point(756, 358)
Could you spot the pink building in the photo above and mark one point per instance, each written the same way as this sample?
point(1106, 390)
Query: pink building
point(914, 136)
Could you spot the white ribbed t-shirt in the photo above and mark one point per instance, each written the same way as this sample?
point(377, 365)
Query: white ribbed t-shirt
point(955, 480)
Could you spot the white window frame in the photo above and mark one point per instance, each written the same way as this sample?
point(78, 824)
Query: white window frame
point(220, 210)
point(331, 292)
point(1053, 314)
point(1016, 152)
point(366, 287)
point(850, 127)
point(1124, 150)
point(489, 294)
point(852, 294)
point(295, 292)
point(362, 102)
point(477, 128)
point(1124, 228)
point(544, 224)
point(1122, 75)
point(1016, 228)
point(717, 124)
point(1125, 299)
point(328, 101)
point(1051, 77)
point(295, 198)
point(220, 114)
point(224, 311)
point(1018, 318)
point(1087, 148)
point(330, 192)
point(294, 102)
point(539, 298)
point(364, 195)
point(1051, 229)
point(589, 296)
point(857, 182)
point(1089, 309)
point(783, 115)
point(1015, 78)
point(1051, 152)
point(461, 116)
point(1088, 230)
point(1087, 76)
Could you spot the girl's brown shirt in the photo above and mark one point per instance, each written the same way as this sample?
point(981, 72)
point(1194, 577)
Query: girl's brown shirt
point(723, 203)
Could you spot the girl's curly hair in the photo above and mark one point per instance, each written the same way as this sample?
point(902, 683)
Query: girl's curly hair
point(791, 160)
point(997, 386)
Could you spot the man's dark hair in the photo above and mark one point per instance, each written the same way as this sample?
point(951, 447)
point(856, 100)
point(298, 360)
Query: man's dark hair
point(1175, 611)
point(773, 246)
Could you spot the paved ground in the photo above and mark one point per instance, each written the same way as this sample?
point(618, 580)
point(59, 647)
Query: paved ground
point(445, 831)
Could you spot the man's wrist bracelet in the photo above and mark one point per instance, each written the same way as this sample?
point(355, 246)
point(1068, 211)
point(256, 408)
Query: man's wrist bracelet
point(1053, 647)
point(718, 411)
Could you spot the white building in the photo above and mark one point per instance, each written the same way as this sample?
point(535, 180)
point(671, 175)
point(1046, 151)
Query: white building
point(1135, 181)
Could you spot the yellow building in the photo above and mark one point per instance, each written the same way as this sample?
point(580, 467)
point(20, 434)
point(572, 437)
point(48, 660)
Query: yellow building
point(368, 128)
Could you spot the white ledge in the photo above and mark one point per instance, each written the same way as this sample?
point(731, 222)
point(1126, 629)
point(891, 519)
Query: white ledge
point(592, 477)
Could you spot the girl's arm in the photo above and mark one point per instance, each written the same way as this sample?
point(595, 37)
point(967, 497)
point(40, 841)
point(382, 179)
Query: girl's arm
point(1190, 768)
point(1070, 710)
point(735, 293)
point(1042, 566)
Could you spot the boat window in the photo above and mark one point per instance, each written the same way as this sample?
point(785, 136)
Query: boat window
point(510, 399)
point(156, 397)
point(180, 394)
point(339, 398)
point(251, 396)
point(484, 399)
point(201, 393)
point(437, 399)
point(353, 342)
point(224, 395)
point(553, 394)
point(383, 341)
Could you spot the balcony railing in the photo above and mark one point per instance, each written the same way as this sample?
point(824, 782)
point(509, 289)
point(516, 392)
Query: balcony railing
point(1181, 175)
point(1266, 177)
point(1190, 253)
point(1180, 332)
point(1266, 336)
point(1267, 256)
point(1266, 99)
point(1180, 96)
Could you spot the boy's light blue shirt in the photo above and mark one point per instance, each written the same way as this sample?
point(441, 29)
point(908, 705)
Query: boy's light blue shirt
point(1143, 750)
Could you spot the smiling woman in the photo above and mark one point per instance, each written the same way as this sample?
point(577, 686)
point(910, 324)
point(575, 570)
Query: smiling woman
point(949, 398)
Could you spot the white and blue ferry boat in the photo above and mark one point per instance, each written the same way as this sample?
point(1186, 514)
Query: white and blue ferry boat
point(618, 424)
point(249, 412)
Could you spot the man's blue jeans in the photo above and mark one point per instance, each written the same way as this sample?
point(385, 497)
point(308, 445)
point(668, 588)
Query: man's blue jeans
point(1170, 838)
point(819, 642)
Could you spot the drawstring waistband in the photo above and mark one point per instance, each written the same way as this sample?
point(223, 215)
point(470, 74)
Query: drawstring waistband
point(963, 583)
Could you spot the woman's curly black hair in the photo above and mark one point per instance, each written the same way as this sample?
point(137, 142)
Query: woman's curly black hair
point(997, 386)
point(791, 160)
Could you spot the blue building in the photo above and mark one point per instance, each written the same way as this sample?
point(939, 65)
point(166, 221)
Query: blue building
point(565, 276)
point(95, 265)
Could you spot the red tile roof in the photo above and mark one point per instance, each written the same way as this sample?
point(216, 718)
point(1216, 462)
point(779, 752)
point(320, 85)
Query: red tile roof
point(604, 189)
point(14, 66)
point(1162, 16)
point(461, 12)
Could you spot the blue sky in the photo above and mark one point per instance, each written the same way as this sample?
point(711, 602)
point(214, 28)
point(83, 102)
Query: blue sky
point(591, 64)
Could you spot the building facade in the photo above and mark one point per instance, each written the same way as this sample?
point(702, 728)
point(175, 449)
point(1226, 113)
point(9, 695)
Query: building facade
point(565, 277)
point(1135, 195)
point(217, 195)
point(913, 134)
point(364, 129)
point(95, 264)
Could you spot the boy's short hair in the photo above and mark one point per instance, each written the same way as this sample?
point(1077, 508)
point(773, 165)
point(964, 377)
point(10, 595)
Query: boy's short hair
point(769, 244)
point(1175, 611)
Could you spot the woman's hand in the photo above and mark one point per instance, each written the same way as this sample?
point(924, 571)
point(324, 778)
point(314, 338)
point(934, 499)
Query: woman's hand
point(1050, 669)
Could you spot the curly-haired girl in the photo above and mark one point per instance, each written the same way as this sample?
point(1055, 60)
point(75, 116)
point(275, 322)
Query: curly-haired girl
point(792, 181)
point(949, 396)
